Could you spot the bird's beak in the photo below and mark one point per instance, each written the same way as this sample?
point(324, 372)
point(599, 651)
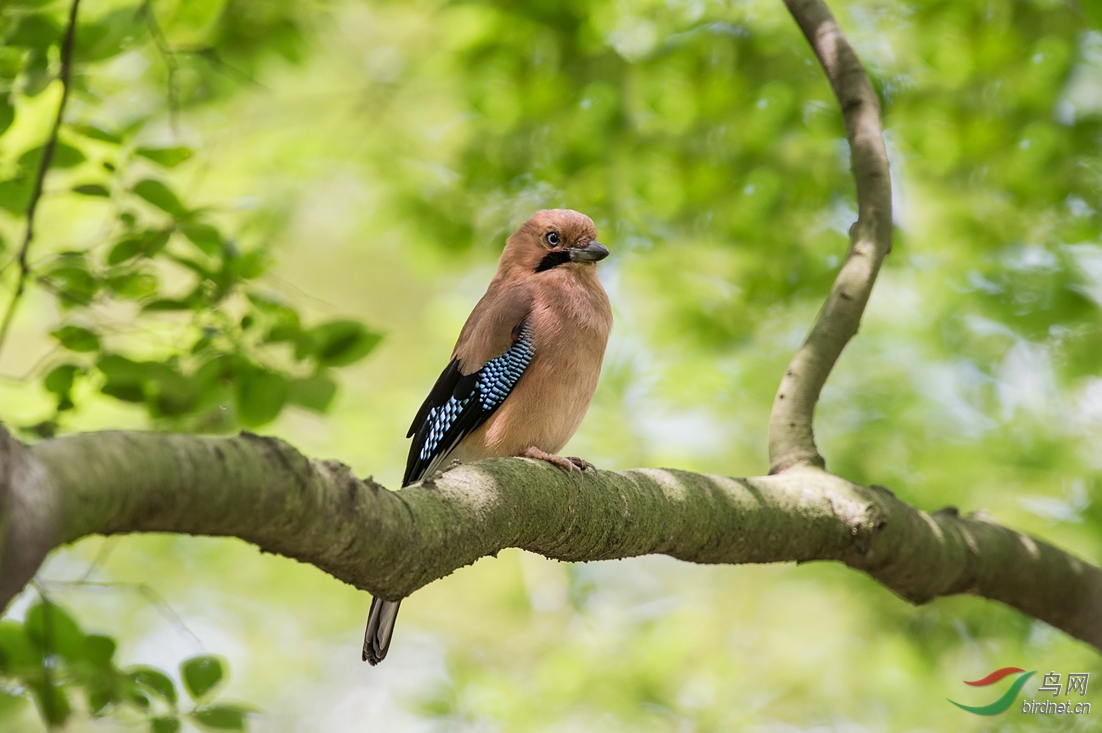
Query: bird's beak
point(592, 252)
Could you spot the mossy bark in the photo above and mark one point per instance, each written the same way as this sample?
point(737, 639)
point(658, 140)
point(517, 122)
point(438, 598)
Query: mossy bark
point(393, 542)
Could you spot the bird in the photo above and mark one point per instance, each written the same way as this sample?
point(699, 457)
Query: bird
point(523, 370)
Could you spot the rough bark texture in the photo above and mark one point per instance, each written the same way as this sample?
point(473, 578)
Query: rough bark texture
point(392, 543)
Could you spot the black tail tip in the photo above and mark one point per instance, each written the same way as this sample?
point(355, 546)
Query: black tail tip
point(372, 656)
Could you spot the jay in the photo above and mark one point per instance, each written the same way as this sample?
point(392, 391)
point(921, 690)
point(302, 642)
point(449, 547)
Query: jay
point(523, 370)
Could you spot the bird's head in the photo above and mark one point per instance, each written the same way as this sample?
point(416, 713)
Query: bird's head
point(551, 239)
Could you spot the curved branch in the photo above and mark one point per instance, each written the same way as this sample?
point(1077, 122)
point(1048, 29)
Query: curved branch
point(392, 543)
point(791, 436)
point(43, 167)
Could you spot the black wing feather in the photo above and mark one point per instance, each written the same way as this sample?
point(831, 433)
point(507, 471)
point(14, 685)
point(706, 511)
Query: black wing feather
point(459, 403)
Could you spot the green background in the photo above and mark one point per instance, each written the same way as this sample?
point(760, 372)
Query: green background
point(241, 184)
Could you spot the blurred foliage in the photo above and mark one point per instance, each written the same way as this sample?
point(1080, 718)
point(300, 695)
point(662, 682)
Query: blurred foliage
point(156, 263)
point(48, 657)
point(234, 178)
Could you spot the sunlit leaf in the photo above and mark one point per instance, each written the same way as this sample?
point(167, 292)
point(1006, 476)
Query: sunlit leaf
point(76, 338)
point(70, 276)
point(160, 195)
point(54, 631)
point(7, 113)
point(167, 157)
point(96, 132)
point(164, 724)
point(220, 717)
point(59, 380)
point(108, 35)
point(99, 650)
point(146, 244)
point(37, 31)
point(64, 156)
point(92, 189)
point(124, 379)
point(15, 195)
point(204, 236)
point(155, 681)
point(201, 675)
point(166, 304)
point(19, 655)
point(53, 703)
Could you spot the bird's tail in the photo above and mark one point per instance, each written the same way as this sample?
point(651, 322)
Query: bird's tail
point(380, 627)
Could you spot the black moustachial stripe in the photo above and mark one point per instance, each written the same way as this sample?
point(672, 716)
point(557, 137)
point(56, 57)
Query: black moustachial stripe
point(459, 403)
point(553, 259)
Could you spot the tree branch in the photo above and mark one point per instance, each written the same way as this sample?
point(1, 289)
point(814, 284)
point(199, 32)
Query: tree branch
point(43, 167)
point(392, 543)
point(791, 435)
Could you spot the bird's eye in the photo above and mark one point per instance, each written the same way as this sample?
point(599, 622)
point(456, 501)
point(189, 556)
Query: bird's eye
point(553, 239)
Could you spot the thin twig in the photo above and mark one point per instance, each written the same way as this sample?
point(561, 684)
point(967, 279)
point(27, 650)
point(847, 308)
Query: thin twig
point(212, 57)
point(168, 56)
point(43, 167)
point(154, 598)
point(791, 436)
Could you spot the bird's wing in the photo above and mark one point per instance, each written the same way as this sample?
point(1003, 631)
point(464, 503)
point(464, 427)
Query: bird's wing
point(494, 349)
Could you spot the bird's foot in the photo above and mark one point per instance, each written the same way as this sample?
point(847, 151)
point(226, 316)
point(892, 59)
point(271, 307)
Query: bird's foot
point(581, 463)
point(570, 464)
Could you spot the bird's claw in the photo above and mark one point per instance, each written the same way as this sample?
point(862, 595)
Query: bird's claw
point(581, 463)
point(570, 464)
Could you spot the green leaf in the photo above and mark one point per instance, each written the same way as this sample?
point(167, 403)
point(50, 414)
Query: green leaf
point(59, 381)
point(164, 724)
point(37, 31)
point(166, 304)
point(133, 285)
point(125, 379)
point(168, 157)
point(161, 196)
point(19, 656)
point(76, 338)
point(95, 132)
point(65, 156)
point(7, 113)
point(137, 697)
point(201, 675)
point(100, 696)
point(15, 194)
point(53, 704)
point(204, 236)
point(261, 395)
point(92, 189)
point(53, 630)
point(68, 273)
point(249, 265)
point(220, 717)
point(108, 35)
point(99, 650)
point(147, 244)
point(36, 72)
point(340, 343)
point(155, 681)
point(314, 393)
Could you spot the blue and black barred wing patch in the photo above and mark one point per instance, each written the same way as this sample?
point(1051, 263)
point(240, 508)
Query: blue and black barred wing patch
point(459, 403)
